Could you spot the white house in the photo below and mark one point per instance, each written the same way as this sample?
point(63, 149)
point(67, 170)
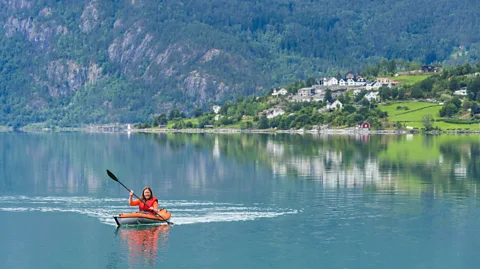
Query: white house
point(373, 86)
point(272, 113)
point(350, 82)
point(329, 107)
point(335, 105)
point(372, 95)
point(360, 78)
point(342, 82)
point(282, 91)
point(216, 109)
point(306, 92)
point(462, 92)
point(330, 81)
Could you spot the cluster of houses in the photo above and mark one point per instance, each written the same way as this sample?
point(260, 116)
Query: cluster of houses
point(338, 87)
point(352, 80)
point(317, 93)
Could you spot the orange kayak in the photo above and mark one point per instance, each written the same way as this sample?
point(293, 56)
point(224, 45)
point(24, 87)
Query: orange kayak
point(139, 218)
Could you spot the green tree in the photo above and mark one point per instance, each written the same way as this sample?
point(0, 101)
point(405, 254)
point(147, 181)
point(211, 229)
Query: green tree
point(428, 122)
point(417, 92)
point(401, 94)
point(454, 83)
point(198, 112)
point(457, 102)
point(349, 109)
point(473, 108)
point(310, 81)
point(328, 96)
point(263, 122)
point(385, 93)
point(448, 110)
point(394, 93)
point(398, 125)
point(392, 67)
point(474, 88)
point(160, 120)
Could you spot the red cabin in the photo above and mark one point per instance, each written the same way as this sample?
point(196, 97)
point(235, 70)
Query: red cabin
point(365, 125)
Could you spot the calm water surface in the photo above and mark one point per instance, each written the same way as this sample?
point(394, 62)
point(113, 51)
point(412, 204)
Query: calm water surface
point(241, 201)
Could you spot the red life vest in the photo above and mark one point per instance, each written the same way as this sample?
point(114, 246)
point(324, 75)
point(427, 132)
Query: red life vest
point(143, 207)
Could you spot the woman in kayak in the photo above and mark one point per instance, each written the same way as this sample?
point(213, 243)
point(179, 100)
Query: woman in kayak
point(147, 203)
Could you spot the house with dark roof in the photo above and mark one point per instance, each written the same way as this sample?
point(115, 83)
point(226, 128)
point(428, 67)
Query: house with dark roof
point(429, 69)
point(350, 75)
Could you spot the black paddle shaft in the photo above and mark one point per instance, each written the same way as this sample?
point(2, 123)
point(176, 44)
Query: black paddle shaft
point(112, 176)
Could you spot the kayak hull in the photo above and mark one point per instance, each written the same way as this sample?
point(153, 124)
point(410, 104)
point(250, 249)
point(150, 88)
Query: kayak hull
point(142, 218)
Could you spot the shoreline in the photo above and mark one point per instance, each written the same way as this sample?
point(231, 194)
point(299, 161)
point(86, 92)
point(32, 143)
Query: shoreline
point(314, 132)
point(265, 131)
point(123, 128)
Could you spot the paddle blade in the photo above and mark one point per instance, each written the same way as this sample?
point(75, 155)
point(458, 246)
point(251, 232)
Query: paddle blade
point(111, 175)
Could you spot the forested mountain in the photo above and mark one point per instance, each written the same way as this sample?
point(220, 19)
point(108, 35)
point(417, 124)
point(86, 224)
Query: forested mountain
point(93, 61)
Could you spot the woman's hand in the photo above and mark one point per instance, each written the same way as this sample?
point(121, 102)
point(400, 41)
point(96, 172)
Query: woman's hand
point(131, 193)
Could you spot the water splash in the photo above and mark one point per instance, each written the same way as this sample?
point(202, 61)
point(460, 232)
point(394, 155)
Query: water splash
point(183, 212)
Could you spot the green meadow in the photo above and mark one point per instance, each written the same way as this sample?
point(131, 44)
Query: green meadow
point(444, 126)
point(409, 80)
point(417, 111)
point(194, 122)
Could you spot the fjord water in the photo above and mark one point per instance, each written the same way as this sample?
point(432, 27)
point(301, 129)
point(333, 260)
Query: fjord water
point(241, 201)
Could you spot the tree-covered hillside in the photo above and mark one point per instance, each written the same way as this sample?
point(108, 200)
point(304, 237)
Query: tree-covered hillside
point(93, 61)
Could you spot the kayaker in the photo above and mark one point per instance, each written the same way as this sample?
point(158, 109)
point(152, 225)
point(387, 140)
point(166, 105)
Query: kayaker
point(146, 198)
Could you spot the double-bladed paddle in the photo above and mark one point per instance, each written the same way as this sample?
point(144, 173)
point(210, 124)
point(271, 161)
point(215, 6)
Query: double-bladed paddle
point(112, 176)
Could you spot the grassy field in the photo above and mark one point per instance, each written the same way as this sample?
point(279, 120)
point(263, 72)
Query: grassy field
point(409, 80)
point(445, 126)
point(193, 121)
point(417, 115)
point(420, 109)
point(391, 109)
point(232, 126)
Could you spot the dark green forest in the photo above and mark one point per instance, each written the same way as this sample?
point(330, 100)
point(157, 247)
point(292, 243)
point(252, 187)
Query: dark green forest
point(72, 62)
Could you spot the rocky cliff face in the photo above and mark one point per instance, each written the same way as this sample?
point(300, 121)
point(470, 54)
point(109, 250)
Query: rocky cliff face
point(140, 56)
point(130, 49)
point(65, 77)
point(12, 5)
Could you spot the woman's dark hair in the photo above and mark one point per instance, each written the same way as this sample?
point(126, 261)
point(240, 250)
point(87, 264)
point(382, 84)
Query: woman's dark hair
point(143, 191)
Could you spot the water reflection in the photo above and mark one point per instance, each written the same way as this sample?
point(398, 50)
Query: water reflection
point(378, 162)
point(198, 163)
point(145, 246)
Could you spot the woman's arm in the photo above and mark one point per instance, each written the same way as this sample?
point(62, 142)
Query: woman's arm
point(135, 202)
point(131, 202)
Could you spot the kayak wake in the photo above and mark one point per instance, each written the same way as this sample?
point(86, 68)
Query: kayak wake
point(183, 212)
